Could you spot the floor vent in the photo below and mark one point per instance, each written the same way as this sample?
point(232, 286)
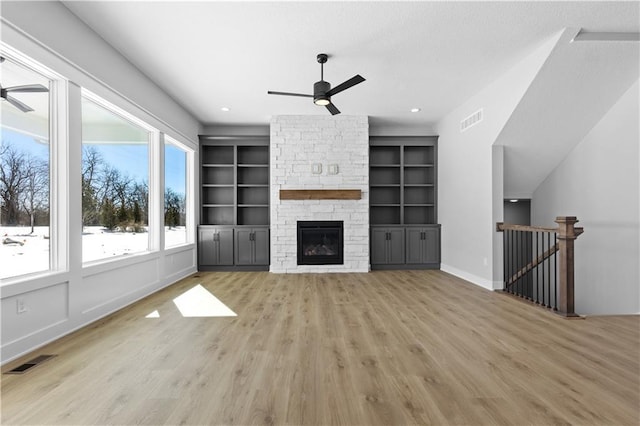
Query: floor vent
point(29, 365)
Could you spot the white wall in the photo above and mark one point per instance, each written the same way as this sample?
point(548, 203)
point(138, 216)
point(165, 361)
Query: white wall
point(598, 182)
point(469, 190)
point(68, 299)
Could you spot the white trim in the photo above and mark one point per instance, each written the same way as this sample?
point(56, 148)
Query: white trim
point(473, 279)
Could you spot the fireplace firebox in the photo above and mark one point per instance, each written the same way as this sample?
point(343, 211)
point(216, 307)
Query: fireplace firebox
point(320, 243)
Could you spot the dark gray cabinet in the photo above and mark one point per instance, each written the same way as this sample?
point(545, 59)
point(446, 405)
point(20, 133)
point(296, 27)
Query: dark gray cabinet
point(252, 246)
point(387, 246)
point(402, 198)
point(423, 245)
point(234, 196)
point(215, 246)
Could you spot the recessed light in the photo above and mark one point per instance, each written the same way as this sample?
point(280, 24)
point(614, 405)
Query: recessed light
point(225, 109)
point(415, 109)
point(513, 201)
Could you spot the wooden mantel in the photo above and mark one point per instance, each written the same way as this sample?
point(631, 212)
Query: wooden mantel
point(320, 194)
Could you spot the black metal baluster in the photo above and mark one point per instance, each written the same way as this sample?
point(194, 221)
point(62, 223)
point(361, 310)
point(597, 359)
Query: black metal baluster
point(549, 271)
point(555, 276)
point(535, 259)
point(521, 278)
point(511, 262)
point(543, 266)
point(529, 270)
point(504, 259)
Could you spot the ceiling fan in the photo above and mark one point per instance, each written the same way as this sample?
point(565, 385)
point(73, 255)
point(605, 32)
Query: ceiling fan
point(322, 91)
point(29, 88)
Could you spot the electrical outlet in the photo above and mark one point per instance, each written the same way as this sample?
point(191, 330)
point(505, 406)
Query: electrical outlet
point(21, 306)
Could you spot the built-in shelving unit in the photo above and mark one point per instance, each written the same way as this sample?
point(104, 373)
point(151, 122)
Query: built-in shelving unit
point(403, 194)
point(234, 194)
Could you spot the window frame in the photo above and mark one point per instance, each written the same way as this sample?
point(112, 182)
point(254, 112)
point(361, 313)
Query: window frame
point(153, 143)
point(58, 162)
point(189, 185)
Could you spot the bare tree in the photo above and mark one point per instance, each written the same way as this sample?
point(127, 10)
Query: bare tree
point(91, 162)
point(12, 181)
point(35, 193)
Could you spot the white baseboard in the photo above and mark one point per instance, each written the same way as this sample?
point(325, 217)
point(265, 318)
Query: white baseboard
point(473, 279)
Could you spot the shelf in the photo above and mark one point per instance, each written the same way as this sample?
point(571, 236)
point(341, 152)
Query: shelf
point(230, 166)
point(217, 154)
point(253, 175)
point(216, 205)
point(384, 215)
point(253, 155)
point(418, 155)
point(253, 165)
point(252, 205)
point(402, 180)
point(384, 154)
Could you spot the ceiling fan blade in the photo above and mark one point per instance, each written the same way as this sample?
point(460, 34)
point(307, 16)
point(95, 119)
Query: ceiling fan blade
point(332, 109)
point(347, 84)
point(29, 88)
point(290, 94)
point(16, 103)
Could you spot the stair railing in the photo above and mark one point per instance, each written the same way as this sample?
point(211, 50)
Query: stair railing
point(539, 263)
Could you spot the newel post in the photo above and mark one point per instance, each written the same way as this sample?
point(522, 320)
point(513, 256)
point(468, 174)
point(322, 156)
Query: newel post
point(567, 234)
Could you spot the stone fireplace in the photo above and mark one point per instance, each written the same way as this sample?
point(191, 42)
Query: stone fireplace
point(319, 152)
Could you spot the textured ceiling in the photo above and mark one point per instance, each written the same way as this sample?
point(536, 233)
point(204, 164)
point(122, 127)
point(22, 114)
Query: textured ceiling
point(430, 55)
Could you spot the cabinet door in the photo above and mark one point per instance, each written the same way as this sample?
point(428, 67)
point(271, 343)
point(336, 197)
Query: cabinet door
point(261, 246)
point(431, 248)
point(206, 247)
point(378, 246)
point(396, 246)
point(215, 246)
point(415, 246)
point(244, 246)
point(225, 247)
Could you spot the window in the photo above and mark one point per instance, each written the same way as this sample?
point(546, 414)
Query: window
point(115, 182)
point(175, 194)
point(25, 159)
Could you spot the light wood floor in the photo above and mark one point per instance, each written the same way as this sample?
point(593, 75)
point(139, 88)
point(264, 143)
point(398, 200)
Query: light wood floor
point(388, 348)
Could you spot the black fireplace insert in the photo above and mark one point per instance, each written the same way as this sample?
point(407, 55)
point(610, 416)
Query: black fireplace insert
point(320, 243)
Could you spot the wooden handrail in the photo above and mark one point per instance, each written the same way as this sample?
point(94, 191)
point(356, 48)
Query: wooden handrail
point(501, 226)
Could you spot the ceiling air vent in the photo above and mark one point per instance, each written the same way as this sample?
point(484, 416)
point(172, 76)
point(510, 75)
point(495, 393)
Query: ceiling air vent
point(471, 120)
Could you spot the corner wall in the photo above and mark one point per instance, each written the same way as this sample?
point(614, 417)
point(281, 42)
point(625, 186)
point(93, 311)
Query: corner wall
point(469, 190)
point(598, 182)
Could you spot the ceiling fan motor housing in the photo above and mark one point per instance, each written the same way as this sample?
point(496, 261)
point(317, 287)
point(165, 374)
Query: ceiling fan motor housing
point(320, 89)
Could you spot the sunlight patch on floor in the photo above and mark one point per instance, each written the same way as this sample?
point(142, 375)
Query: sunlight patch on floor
point(199, 302)
point(154, 314)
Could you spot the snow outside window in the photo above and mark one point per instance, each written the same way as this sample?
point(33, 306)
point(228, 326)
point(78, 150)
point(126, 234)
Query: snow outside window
point(115, 183)
point(25, 169)
point(175, 193)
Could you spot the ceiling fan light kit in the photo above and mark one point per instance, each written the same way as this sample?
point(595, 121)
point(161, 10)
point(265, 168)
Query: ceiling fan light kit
point(322, 91)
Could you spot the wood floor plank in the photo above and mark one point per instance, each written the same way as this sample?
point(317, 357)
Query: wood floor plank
point(387, 347)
